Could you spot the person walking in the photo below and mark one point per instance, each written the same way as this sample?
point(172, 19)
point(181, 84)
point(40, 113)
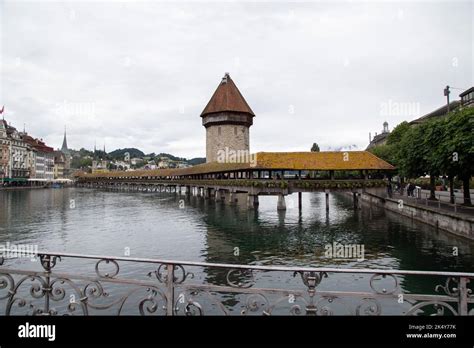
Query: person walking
point(389, 189)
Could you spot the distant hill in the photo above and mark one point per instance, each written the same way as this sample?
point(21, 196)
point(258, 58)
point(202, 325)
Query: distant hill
point(192, 161)
point(171, 157)
point(120, 153)
point(197, 160)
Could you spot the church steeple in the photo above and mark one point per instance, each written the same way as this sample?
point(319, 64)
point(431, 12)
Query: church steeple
point(64, 148)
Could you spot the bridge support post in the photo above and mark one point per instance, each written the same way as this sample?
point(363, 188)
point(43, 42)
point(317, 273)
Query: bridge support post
point(231, 197)
point(300, 200)
point(252, 201)
point(281, 204)
point(356, 196)
point(327, 200)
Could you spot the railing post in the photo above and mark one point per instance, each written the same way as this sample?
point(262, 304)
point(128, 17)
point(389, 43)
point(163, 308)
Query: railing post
point(47, 290)
point(462, 305)
point(170, 289)
point(47, 265)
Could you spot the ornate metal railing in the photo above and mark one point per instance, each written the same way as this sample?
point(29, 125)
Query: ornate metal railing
point(123, 285)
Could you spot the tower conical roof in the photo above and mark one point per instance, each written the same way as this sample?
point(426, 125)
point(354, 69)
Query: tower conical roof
point(64, 147)
point(227, 97)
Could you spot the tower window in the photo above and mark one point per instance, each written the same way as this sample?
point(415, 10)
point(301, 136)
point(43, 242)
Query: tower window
point(235, 130)
point(218, 130)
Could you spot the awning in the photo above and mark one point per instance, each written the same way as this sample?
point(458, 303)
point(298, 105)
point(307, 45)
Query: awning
point(15, 180)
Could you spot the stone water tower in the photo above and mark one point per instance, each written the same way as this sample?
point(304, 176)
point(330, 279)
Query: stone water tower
point(227, 118)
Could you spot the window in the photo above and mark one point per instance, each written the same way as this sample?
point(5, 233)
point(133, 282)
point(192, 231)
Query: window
point(235, 130)
point(218, 130)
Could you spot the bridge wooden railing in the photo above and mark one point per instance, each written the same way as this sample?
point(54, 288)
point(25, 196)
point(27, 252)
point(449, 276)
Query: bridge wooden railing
point(313, 184)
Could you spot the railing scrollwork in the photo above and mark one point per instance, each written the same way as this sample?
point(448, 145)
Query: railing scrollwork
point(165, 287)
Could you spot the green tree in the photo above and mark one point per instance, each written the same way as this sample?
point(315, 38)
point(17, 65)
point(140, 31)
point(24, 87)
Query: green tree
point(458, 148)
point(431, 142)
point(397, 133)
point(138, 164)
point(85, 162)
point(390, 150)
point(440, 147)
point(315, 148)
point(441, 157)
point(410, 157)
point(385, 152)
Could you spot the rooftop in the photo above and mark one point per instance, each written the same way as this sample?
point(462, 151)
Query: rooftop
point(350, 160)
point(37, 144)
point(467, 91)
point(227, 97)
point(438, 112)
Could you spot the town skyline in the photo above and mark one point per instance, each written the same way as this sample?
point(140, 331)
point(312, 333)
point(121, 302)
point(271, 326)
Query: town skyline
point(290, 83)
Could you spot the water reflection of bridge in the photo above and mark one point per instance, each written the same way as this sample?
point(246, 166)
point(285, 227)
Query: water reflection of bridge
point(304, 236)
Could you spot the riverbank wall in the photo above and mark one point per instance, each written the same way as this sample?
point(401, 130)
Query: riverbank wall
point(455, 223)
point(13, 188)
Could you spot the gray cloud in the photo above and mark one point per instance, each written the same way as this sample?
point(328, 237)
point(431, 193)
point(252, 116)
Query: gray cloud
point(139, 73)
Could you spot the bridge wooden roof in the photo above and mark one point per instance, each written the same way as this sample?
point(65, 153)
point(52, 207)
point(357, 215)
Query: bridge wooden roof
point(350, 160)
point(227, 97)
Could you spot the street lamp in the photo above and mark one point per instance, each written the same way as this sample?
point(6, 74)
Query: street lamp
point(446, 94)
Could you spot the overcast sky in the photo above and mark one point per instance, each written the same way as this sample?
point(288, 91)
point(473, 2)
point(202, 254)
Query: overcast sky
point(138, 74)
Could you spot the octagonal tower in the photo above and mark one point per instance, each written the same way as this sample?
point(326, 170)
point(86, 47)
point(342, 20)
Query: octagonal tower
point(227, 118)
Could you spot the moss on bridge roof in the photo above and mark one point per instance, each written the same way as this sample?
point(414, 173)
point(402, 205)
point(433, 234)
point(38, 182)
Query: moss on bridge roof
point(350, 160)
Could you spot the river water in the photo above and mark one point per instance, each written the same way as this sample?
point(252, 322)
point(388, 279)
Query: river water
point(171, 226)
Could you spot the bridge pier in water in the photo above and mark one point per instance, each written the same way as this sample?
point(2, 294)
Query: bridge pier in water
point(356, 198)
point(327, 200)
point(209, 193)
point(252, 201)
point(231, 199)
point(281, 204)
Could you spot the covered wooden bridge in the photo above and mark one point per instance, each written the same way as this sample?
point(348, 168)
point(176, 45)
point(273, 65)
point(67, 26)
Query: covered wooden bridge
point(263, 173)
